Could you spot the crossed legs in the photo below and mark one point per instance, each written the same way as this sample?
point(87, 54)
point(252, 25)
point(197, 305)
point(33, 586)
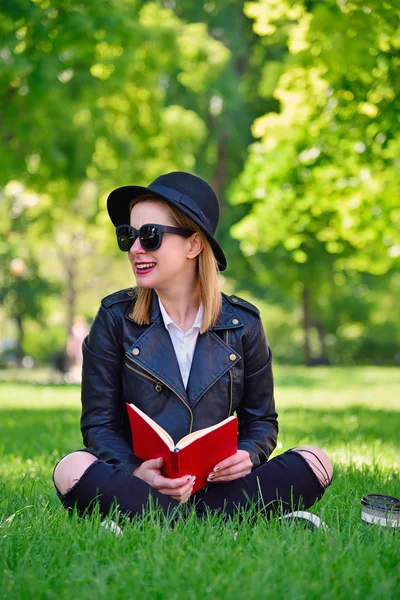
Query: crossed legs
point(286, 479)
point(293, 480)
point(319, 463)
point(71, 468)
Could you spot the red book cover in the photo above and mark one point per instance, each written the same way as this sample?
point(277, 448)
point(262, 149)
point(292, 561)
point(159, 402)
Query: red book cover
point(195, 454)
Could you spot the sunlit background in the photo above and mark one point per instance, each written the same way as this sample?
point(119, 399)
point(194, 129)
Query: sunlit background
point(290, 109)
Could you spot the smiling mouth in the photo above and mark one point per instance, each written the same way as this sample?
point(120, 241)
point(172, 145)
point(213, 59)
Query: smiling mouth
point(144, 267)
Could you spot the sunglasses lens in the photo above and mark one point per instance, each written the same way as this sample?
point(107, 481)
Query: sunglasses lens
point(149, 237)
point(125, 238)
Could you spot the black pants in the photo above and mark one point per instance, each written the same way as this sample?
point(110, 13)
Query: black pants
point(285, 483)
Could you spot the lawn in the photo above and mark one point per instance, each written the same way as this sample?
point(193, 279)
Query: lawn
point(354, 414)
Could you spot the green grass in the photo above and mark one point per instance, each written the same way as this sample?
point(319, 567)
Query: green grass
point(353, 413)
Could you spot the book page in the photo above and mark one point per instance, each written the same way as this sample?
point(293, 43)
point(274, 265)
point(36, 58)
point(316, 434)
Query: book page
point(188, 439)
point(161, 432)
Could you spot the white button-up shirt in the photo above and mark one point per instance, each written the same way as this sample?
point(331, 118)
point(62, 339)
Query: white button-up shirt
point(184, 342)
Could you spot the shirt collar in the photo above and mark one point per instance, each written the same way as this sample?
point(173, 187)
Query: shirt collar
point(167, 319)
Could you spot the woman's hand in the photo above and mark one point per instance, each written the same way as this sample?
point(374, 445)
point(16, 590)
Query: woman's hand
point(233, 467)
point(179, 489)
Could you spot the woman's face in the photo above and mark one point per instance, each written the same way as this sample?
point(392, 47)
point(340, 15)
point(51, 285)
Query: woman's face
point(173, 262)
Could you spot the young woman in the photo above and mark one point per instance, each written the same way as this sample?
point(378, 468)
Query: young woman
point(188, 356)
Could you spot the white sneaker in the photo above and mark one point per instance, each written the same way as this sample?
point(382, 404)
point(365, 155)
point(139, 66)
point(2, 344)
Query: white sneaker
point(112, 526)
point(310, 520)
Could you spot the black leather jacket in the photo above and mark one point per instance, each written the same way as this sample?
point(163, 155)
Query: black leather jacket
point(124, 362)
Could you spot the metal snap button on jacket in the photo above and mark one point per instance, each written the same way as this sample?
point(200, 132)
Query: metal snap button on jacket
point(232, 357)
point(135, 351)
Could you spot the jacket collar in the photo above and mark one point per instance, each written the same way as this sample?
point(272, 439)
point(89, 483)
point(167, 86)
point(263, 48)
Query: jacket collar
point(213, 356)
point(228, 318)
point(168, 321)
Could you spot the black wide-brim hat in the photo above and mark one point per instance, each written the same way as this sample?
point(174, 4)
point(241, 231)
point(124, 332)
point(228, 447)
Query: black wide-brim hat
point(187, 192)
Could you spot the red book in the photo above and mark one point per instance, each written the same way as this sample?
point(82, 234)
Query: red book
point(195, 454)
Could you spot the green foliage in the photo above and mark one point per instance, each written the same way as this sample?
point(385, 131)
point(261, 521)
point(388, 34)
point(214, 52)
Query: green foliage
point(322, 183)
point(45, 345)
point(84, 107)
point(93, 79)
point(324, 189)
point(97, 95)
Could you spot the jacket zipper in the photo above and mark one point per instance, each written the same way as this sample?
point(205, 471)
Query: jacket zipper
point(158, 386)
point(152, 379)
point(230, 377)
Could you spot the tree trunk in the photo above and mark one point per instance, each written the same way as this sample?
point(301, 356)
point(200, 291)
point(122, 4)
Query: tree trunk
point(306, 325)
point(70, 297)
point(20, 337)
point(323, 355)
point(218, 182)
point(70, 272)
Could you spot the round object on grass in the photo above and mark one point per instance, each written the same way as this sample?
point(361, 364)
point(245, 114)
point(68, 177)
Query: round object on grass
point(379, 509)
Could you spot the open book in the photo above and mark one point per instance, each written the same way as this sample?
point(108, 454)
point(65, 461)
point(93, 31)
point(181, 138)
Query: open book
point(195, 454)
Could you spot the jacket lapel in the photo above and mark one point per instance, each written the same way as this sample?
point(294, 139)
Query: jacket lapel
point(211, 360)
point(213, 356)
point(154, 352)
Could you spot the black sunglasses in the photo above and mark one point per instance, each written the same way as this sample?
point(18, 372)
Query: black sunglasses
point(150, 235)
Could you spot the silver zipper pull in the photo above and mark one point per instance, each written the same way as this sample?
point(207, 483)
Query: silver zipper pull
point(158, 387)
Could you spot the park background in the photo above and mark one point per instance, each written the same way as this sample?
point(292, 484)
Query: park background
point(290, 109)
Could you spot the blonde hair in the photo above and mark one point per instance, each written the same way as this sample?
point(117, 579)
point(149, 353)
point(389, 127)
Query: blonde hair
point(206, 271)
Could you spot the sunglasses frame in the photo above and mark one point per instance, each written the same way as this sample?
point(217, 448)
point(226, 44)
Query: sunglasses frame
point(161, 229)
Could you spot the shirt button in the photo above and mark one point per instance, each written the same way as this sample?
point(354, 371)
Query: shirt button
point(234, 299)
point(235, 321)
point(135, 351)
point(232, 357)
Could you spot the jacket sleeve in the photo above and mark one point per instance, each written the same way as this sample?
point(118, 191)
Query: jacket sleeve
point(258, 425)
point(102, 409)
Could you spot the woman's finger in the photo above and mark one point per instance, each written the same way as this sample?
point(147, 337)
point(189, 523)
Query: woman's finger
point(234, 459)
point(231, 477)
point(229, 462)
point(244, 466)
point(182, 494)
point(235, 471)
point(171, 485)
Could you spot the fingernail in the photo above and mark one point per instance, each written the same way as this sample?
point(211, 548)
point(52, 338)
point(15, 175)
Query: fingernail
point(216, 469)
point(210, 477)
point(188, 478)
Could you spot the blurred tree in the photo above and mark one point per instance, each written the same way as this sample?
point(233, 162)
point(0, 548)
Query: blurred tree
point(323, 180)
point(85, 89)
point(97, 95)
point(23, 288)
point(85, 107)
point(228, 105)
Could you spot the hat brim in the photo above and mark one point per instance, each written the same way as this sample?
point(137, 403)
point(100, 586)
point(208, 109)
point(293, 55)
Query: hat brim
point(118, 208)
